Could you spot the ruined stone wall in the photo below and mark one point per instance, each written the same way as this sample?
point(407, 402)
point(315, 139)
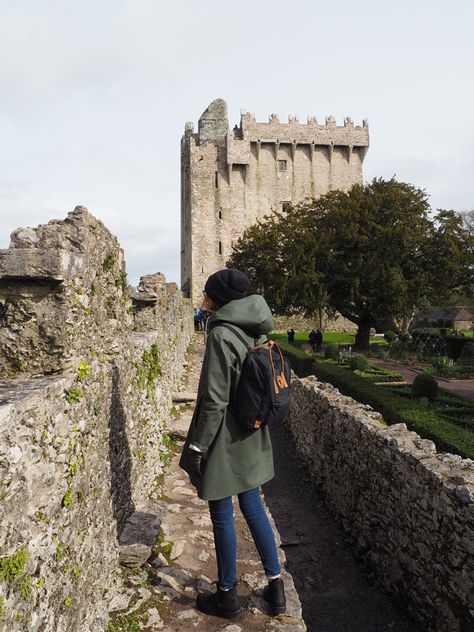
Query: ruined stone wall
point(231, 179)
point(84, 401)
point(408, 509)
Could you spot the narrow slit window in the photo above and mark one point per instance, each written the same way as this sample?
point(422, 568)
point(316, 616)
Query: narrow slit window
point(220, 247)
point(202, 269)
point(282, 165)
point(216, 180)
point(220, 214)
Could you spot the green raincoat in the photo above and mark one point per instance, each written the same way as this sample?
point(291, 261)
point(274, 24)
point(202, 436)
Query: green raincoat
point(234, 460)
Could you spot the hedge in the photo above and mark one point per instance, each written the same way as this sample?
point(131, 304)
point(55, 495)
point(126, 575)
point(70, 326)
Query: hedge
point(395, 408)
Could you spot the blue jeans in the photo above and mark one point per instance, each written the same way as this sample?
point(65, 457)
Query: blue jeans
point(222, 516)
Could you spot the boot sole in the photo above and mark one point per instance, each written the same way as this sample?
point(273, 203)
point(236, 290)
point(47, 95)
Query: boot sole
point(276, 610)
point(220, 613)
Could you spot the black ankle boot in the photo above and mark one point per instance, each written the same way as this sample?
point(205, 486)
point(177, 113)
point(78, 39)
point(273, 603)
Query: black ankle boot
point(274, 595)
point(222, 603)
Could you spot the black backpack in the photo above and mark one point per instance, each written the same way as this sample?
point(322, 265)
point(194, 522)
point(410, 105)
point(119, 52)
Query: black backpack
point(263, 391)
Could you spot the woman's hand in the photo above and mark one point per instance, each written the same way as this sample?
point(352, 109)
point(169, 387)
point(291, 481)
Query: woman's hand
point(191, 462)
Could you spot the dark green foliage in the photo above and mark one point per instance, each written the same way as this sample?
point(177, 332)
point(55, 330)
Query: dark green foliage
point(395, 403)
point(358, 362)
point(467, 354)
point(372, 254)
point(390, 336)
point(424, 385)
point(332, 352)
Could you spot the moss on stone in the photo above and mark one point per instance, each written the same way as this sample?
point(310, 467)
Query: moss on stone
point(73, 395)
point(68, 498)
point(11, 568)
point(109, 263)
point(83, 371)
point(26, 587)
point(148, 370)
point(60, 551)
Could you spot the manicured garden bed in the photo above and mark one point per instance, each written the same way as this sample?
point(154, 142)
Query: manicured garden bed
point(447, 422)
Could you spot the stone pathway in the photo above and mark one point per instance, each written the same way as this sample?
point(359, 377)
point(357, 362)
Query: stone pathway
point(161, 595)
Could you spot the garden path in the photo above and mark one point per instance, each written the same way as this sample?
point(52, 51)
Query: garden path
point(465, 388)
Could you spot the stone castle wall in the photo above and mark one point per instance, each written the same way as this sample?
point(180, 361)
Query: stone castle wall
point(231, 179)
point(87, 376)
point(409, 510)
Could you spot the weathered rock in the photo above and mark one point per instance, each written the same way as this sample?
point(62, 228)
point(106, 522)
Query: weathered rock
point(184, 397)
point(139, 533)
point(80, 442)
point(178, 548)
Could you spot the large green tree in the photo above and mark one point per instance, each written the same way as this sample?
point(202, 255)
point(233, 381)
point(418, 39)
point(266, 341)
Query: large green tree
point(373, 254)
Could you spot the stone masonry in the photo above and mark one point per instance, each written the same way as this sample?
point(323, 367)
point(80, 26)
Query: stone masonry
point(86, 383)
point(231, 179)
point(409, 510)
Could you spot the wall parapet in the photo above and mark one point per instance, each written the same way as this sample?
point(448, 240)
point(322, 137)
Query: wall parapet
point(409, 509)
point(86, 390)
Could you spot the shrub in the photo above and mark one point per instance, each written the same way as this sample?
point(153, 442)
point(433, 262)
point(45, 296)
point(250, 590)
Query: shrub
point(394, 403)
point(467, 354)
point(358, 362)
point(390, 336)
point(332, 352)
point(424, 385)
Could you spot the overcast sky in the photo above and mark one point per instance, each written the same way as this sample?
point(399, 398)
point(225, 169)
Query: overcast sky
point(95, 95)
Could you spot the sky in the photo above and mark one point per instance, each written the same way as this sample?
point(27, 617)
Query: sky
point(95, 96)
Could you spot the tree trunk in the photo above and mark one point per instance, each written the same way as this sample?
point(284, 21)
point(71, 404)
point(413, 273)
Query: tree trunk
point(362, 338)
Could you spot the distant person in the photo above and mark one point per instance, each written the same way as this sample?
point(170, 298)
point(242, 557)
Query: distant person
point(196, 319)
point(313, 336)
point(319, 340)
point(291, 335)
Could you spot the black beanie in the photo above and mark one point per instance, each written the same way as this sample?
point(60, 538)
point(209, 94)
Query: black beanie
point(227, 285)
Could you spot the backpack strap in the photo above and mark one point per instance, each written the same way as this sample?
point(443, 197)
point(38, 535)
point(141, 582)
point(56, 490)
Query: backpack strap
point(235, 331)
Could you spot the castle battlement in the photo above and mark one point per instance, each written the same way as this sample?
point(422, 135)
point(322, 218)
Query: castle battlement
point(310, 132)
point(233, 177)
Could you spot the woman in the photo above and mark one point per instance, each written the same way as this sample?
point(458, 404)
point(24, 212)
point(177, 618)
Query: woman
point(223, 460)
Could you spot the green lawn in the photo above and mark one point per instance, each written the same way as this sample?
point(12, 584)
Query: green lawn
point(329, 337)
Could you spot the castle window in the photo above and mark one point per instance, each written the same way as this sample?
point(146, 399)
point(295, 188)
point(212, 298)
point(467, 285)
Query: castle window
point(220, 247)
point(216, 180)
point(282, 165)
point(220, 214)
point(202, 269)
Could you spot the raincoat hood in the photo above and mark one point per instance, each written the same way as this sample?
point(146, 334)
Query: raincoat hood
point(251, 314)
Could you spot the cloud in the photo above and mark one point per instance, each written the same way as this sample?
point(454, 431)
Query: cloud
point(95, 96)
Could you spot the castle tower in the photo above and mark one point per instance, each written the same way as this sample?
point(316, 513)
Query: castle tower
point(230, 179)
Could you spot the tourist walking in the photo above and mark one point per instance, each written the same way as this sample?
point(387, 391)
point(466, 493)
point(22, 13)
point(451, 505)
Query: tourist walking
point(313, 336)
point(221, 458)
point(291, 335)
point(319, 340)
